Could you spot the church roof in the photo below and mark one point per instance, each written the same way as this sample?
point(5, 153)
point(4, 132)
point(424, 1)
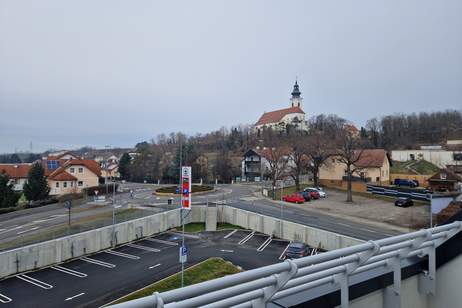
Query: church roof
point(277, 115)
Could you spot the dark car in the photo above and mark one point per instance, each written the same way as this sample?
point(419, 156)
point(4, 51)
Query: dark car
point(305, 195)
point(406, 182)
point(404, 202)
point(297, 250)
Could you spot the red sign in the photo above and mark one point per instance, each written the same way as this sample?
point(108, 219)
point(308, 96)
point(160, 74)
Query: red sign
point(186, 187)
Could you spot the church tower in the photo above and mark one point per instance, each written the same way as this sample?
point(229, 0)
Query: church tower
point(296, 99)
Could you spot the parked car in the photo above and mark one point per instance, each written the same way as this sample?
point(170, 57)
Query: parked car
point(319, 190)
point(294, 198)
point(297, 250)
point(404, 202)
point(306, 195)
point(406, 182)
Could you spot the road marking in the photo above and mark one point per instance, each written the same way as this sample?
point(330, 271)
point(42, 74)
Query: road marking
point(368, 230)
point(161, 241)
point(58, 215)
point(282, 256)
point(28, 230)
point(186, 235)
point(34, 281)
point(226, 250)
point(5, 299)
point(231, 233)
point(75, 296)
point(143, 247)
point(154, 266)
point(69, 271)
point(265, 243)
point(97, 262)
point(342, 224)
point(245, 239)
point(122, 254)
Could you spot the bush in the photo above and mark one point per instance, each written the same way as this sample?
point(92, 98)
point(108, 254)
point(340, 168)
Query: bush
point(74, 196)
point(194, 189)
point(39, 203)
point(8, 209)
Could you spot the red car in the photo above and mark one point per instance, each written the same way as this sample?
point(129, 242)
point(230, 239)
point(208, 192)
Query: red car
point(314, 195)
point(294, 198)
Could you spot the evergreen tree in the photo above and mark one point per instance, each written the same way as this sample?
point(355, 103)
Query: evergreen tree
point(36, 187)
point(8, 197)
point(124, 165)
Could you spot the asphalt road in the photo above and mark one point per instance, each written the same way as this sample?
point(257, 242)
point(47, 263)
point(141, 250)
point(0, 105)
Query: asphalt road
point(84, 283)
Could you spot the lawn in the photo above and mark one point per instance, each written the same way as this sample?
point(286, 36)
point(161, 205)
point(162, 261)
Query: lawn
point(210, 269)
point(419, 166)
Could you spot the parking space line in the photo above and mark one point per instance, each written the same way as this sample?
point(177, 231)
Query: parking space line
point(4, 299)
point(75, 296)
point(34, 281)
point(245, 239)
point(265, 243)
point(281, 257)
point(143, 247)
point(122, 254)
point(161, 241)
point(154, 266)
point(231, 233)
point(69, 271)
point(98, 262)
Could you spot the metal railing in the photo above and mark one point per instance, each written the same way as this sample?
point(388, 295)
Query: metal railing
point(257, 287)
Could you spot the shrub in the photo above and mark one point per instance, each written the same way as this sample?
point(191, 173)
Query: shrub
point(194, 188)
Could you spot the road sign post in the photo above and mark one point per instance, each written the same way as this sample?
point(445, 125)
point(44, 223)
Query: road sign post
point(68, 205)
point(185, 199)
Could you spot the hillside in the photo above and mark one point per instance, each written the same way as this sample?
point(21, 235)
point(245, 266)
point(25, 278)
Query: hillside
point(414, 167)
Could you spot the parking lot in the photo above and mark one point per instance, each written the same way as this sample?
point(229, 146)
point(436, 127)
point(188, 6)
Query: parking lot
point(97, 279)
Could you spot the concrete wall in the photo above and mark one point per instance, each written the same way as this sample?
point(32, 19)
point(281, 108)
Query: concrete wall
point(290, 230)
point(54, 251)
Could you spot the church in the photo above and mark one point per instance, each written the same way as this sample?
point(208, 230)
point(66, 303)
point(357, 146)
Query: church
point(282, 119)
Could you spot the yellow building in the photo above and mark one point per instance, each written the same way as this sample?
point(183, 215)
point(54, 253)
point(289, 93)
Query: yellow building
point(373, 166)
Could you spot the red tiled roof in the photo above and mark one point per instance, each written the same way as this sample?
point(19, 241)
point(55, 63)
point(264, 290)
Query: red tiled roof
point(450, 176)
point(90, 164)
point(16, 171)
point(277, 115)
point(371, 158)
point(64, 176)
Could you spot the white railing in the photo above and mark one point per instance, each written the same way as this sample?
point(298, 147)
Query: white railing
point(255, 288)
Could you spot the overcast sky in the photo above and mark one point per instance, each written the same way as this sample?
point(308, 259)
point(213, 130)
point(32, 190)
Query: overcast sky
point(98, 73)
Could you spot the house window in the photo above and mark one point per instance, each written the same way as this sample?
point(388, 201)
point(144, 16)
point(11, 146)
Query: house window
point(64, 184)
point(362, 175)
point(377, 179)
point(80, 183)
point(80, 170)
point(412, 156)
point(57, 184)
point(72, 184)
point(333, 160)
point(72, 170)
point(443, 176)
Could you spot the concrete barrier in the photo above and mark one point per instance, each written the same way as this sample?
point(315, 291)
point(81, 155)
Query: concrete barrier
point(47, 253)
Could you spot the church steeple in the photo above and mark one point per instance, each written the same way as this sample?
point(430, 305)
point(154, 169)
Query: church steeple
point(296, 99)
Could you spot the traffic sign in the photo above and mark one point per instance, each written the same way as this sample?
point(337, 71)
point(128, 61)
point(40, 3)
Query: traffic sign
point(186, 180)
point(183, 254)
point(68, 204)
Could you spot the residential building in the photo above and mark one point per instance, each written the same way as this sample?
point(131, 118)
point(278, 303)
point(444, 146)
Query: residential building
point(281, 119)
point(445, 180)
point(255, 164)
point(373, 166)
point(17, 173)
point(70, 176)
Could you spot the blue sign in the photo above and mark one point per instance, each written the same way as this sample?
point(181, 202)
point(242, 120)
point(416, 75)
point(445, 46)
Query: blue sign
point(68, 204)
point(183, 254)
point(184, 250)
point(185, 191)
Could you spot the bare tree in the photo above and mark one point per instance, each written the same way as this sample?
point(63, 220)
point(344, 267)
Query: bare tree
point(278, 158)
point(349, 152)
point(319, 147)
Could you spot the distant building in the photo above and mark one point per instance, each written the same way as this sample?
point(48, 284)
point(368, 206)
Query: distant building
point(282, 119)
point(17, 173)
point(441, 156)
point(445, 180)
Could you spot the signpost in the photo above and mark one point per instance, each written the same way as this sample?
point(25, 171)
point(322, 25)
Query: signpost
point(185, 187)
point(68, 205)
point(183, 254)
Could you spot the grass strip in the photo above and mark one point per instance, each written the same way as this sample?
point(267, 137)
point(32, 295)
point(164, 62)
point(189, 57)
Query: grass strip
point(200, 226)
point(209, 269)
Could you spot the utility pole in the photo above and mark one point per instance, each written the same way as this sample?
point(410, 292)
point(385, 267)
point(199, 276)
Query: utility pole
point(181, 210)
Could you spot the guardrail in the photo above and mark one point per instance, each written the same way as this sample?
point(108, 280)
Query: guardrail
point(256, 288)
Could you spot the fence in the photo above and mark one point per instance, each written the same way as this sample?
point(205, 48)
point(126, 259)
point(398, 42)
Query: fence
point(415, 194)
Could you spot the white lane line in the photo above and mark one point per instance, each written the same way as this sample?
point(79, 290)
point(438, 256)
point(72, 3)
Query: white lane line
point(34, 281)
point(245, 239)
point(226, 250)
point(97, 262)
point(28, 230)
point(186, 235)
point(121, 254)
point(342, 224)
point(231, 233)
point(282, 256)
point(143, 247)
point(161, 241)
point(154, 266)
point(69, 271)
point(58, 215)
point(265, 244)
point(75, 296)
point(5, 299)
